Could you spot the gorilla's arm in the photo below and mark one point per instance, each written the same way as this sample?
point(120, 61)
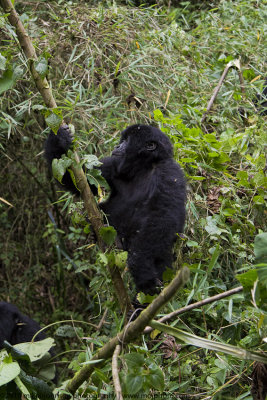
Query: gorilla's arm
point(55, 147)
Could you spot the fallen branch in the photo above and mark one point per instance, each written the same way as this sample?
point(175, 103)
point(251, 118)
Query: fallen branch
point(115, 373)
point(87, 196)
point(197, 305)
point(129, 333)
point(234, 63)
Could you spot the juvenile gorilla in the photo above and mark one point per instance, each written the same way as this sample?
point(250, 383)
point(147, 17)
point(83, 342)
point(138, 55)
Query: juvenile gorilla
point(147, 201)
point(16, 327)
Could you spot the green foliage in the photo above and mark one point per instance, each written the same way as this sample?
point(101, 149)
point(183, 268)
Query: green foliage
point(255, 280)
point(108, 234)
point(41, 66)
point(60, 166)
point(9, 77)
point(19, 364)
point(153, 65)
point(53, 118)
point(142, 375)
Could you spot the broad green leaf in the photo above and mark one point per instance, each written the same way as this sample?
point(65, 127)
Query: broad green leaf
point(95, 178)
point(133, 383)
point(248, 278)
point(91, 161)
point(6, 81)
point(156, 378)
point(103, 258)
point(8, 371)
point(134, 360)
point(41, 66)
point(66, 331)
point(260, 248)
point(210, 138)
point(36, 350)
point(212, 227)
point(59, 167)
point(36, 386)
point(46, 368)
point(213, 154)
point(53, 118)
point(16, 353)
point(243, 178)
point(262, 274)
point(121, 259)
point(108, 234)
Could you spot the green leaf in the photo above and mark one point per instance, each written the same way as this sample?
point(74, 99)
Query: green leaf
point(259, 179)
point(198, 341)
point(213, 154)
point(243, 178)
point(66, 331)
point(7, 81)
point(46, 369)
point(16, 353)
point(103, 258)
point(108, 234)
point(158, 116)
point(248, 278)
point(260, 248)
point(8, 371)
point(39, 107)
point(212, 227)
point(197, 178)
point(36, 350)
point(91, 161)
point(2, 62)
point(133, 383)
point(156, 378)
point(192, 243)
point(37, 386)
point(24, 390)
point(121, 259)
point(95, 178)
point(188, 160)
point(262, 274)
point(53, 118)
point(146, 298)
point(210, 138)
point(41, 67)
point(134, 360)
point(60, 166)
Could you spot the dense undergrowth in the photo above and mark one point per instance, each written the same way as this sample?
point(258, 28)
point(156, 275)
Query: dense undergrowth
point(112, 65)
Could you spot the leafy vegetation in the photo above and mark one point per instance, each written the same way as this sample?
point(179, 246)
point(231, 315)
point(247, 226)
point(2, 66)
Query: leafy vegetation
point(111, 65)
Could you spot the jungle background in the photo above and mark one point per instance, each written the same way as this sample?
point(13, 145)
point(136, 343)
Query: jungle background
point(111, 64)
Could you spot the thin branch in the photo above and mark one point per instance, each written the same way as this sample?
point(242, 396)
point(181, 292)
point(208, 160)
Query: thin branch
point(29, 51)
point(234, 63)
point(115, 373)
point(102, 321)
point(197, 305)
point(87, 196)
point(128, 334)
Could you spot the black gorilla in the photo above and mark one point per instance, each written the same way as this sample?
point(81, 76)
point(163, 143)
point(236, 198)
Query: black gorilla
point(16, 327)
point(147, 200)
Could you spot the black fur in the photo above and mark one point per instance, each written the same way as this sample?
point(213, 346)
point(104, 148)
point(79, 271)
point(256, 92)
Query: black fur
point(16, 327)
point(147, 200)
